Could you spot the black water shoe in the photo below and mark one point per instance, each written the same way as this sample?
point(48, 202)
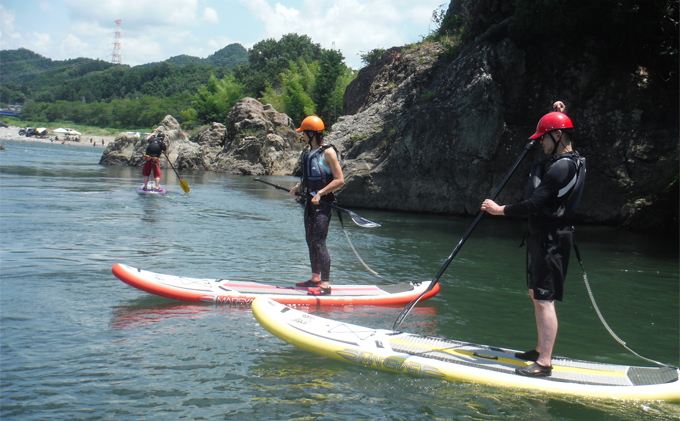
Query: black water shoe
point(534, 370)
point(308, 284)
point(528, 356)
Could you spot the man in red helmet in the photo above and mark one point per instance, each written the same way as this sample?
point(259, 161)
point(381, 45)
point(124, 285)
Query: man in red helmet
point(552, 196)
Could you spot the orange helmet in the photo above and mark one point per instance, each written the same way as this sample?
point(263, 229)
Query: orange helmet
point(552, 121)
point(312, 123)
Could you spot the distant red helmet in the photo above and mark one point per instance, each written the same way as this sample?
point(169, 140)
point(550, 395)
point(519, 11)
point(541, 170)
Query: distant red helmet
point(552, 121)
point(312, 123)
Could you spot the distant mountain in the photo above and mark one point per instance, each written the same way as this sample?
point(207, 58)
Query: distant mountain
point(229, 56)
point(22, 65)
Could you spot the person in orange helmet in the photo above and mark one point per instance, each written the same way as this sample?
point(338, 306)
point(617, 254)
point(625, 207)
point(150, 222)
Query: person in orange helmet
point(321, 176)
point(552, 196)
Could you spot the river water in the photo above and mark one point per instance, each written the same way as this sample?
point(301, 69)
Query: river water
point(77, 343)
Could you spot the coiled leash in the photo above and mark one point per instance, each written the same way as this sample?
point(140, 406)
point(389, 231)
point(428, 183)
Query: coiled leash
point(355, 252)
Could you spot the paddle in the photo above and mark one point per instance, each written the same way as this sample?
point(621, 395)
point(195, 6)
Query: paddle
point(362, 222)
point(434, 282)
point(182, 183)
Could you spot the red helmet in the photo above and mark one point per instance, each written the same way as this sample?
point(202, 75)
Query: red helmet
point(312, 123)
point(552, 121)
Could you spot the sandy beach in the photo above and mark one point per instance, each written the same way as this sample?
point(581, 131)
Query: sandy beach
point(12, 133)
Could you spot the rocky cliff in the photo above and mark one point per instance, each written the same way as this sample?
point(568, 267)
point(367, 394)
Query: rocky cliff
point(257, 141)
point(437, 132)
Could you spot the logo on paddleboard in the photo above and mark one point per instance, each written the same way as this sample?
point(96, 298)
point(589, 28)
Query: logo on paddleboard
point(392, 364)
point(228, 301)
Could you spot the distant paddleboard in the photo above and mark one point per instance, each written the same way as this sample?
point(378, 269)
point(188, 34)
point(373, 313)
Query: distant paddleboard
point(151, 189)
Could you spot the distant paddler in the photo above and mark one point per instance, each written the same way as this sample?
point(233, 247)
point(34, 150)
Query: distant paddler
point(154, 149)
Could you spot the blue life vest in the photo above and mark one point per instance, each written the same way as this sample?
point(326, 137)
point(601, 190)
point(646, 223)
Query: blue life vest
point(315, 173)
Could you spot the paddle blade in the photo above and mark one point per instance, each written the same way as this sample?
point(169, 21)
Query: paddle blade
point(184, 185)
point(362, 222)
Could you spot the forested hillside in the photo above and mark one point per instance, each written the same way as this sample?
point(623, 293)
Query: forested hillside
point(229, 56)
point(294, 74)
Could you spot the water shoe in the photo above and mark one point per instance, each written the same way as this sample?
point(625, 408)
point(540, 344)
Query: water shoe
point(534, 370)
point(308, 284)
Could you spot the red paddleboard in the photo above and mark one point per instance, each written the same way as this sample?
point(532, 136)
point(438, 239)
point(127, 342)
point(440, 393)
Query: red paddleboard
point(242, 292)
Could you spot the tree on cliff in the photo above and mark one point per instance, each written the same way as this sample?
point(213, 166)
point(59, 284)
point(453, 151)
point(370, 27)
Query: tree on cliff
point(331, 67)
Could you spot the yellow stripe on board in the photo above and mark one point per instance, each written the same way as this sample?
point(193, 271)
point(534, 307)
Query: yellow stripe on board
point(424, 349)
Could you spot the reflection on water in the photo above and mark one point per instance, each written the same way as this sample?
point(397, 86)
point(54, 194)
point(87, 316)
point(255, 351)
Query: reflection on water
point(79, 344)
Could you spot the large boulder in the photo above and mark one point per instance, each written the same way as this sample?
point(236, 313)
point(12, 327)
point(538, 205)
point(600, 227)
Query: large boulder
point(259, 141)
point(128, 148)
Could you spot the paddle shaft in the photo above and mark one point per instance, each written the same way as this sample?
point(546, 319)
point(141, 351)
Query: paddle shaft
point(435, 280)
point(356, 218)
point(182, 183)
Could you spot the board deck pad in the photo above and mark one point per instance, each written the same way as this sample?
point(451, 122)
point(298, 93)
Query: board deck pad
point(226, 291)
point(461, 361)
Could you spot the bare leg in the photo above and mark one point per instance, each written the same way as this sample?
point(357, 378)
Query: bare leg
point(158, 183)
point(146, 182)
point(546, 322)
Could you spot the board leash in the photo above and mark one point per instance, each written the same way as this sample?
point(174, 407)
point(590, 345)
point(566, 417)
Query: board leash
point(355, 251)
point(599, 314)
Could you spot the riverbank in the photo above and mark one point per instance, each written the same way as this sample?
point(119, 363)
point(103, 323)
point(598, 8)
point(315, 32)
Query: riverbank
point(12, 133)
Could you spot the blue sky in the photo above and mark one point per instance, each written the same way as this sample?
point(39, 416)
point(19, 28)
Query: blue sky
point(154, 30)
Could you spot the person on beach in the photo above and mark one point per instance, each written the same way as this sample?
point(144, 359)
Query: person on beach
point(552, 196)
point(321, 175)
point(152, 156)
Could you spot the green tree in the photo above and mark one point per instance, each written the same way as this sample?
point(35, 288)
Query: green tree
point(269, 58)
point(331, 67)
point(215, 99)
point(297, 85)
point(335, 101)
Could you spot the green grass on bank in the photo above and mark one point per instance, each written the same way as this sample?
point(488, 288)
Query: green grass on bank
point(85, 130)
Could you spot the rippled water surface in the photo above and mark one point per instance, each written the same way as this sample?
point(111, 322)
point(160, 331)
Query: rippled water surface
point(77, 343)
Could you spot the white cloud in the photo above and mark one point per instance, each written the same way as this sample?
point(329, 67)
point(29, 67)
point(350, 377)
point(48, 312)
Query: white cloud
point(353, 25)
point(135, 12)
point(72, 46)
point(210, 15)
point(219, 43)
point(46, 6)
point(141, 50)
point(41, 42)
point(9, 38)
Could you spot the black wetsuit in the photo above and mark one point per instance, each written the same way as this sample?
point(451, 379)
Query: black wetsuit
point(552, 200)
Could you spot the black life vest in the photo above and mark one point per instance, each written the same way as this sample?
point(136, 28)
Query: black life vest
point(154, 149)
point(569, 196)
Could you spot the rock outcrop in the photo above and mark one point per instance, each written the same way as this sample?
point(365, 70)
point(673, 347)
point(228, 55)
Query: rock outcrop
point(436, 134)
point(258, 141)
